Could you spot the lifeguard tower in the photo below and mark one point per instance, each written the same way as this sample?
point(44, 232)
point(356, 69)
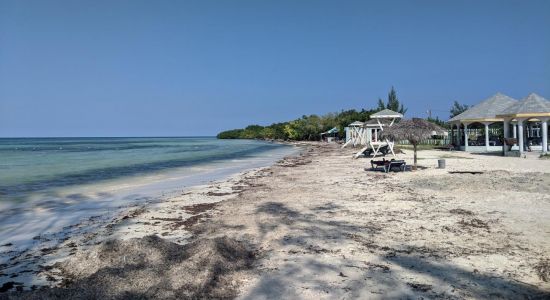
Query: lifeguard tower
point(367, 134)
point(355, 134)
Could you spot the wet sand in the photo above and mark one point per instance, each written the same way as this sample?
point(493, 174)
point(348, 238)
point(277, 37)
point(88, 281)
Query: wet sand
point(320, 226)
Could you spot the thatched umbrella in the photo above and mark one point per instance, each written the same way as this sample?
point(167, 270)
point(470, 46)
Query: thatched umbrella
point(413, 130)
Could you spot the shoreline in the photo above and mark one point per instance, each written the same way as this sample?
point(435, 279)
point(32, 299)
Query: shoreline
point(23, 267)
point(316, 225)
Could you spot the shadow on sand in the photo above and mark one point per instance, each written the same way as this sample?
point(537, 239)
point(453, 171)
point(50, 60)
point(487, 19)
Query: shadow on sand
point(153, 268)
point(386, 274)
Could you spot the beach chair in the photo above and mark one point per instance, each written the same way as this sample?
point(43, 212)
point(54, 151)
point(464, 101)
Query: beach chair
point(376, 164)
point(393, 164)
point(383, 151)
point(388, 165)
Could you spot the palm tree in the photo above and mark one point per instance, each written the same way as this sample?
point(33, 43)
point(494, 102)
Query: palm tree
point(414, 130)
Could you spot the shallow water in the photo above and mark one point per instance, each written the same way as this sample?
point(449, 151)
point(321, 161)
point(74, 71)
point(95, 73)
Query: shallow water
point(48, 184)
point(37, 165)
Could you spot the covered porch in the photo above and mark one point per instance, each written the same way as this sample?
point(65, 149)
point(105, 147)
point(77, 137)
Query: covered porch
point(478, 129)
point(529, 120)
point(531, 135)
point(478, 135)
point(485, 127)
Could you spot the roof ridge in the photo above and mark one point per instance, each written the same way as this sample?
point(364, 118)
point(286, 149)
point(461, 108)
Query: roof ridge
point(386, 111)
point(499, 102)
point(532, 103)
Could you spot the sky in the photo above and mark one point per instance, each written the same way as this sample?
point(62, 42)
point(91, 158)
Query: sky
point(188, 68)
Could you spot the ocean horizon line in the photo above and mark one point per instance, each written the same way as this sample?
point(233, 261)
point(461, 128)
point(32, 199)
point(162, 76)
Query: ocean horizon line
point(107, 137)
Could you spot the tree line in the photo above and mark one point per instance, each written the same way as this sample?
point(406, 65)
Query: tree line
point(310, 127)
point(306, 128)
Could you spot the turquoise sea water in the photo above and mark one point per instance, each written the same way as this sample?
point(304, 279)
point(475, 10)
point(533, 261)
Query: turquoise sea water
point(33, 165)
point(49, 184)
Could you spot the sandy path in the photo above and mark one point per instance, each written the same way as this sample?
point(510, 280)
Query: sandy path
point(329, 229)
point(320, 226)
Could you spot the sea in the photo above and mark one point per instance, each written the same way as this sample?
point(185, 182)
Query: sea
point(48, 184)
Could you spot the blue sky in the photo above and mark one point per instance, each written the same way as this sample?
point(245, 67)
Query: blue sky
point(178, 68)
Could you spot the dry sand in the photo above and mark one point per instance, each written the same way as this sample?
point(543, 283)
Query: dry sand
point(318, 226)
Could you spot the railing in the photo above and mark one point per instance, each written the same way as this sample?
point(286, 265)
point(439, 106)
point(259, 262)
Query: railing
point(481, 131)
point(473, 132)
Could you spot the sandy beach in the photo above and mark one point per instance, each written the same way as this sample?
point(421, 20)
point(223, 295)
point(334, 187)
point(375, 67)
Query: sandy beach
point(320, 226)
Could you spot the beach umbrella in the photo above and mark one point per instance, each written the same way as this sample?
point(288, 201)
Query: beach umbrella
point(413, 130)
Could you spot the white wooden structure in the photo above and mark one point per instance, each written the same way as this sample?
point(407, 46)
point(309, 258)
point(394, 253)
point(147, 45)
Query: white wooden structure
point(355, 135)
point(366, 134)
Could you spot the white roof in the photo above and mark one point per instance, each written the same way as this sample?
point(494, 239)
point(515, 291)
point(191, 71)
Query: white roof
point(386, 114)
point(486, 109)
point(356, 123)
point(528, 105)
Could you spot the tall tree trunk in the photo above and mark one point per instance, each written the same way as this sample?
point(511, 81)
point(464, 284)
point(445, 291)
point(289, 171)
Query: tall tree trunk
point(414, 147)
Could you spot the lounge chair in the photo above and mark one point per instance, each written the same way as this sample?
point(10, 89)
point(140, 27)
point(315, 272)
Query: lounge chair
point(382, 151)
point(400, 165)
point(376, 164)
point(388, 165)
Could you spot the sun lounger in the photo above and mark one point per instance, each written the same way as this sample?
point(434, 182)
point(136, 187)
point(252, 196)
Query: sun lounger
point(400, 165)
point(367, 152)
point(388, 165)
point(375, 164)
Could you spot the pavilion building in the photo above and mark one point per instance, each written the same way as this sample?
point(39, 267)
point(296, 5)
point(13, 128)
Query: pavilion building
point(465, 127)
point(483, 127)
point(534, 112)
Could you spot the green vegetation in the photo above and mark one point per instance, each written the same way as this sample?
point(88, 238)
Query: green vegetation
point(457, 109)
point(393, 103)
point(545, 156)
point(308, 128)
point(439, 122)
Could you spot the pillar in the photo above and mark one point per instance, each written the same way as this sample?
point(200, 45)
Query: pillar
point(459, 136)
point(466, 137)
point(544, 129)
point(515, 130)
point(487, 136)
point(457, 141)
point(455, 136)
point(506, 133)
point(451, 139)
point(520, 135)
point(506, 128)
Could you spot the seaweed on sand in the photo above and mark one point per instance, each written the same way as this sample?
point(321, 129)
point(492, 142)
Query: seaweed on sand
point(152, 268)
point(460, 211)
point(474, 223)
point(543, 270)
